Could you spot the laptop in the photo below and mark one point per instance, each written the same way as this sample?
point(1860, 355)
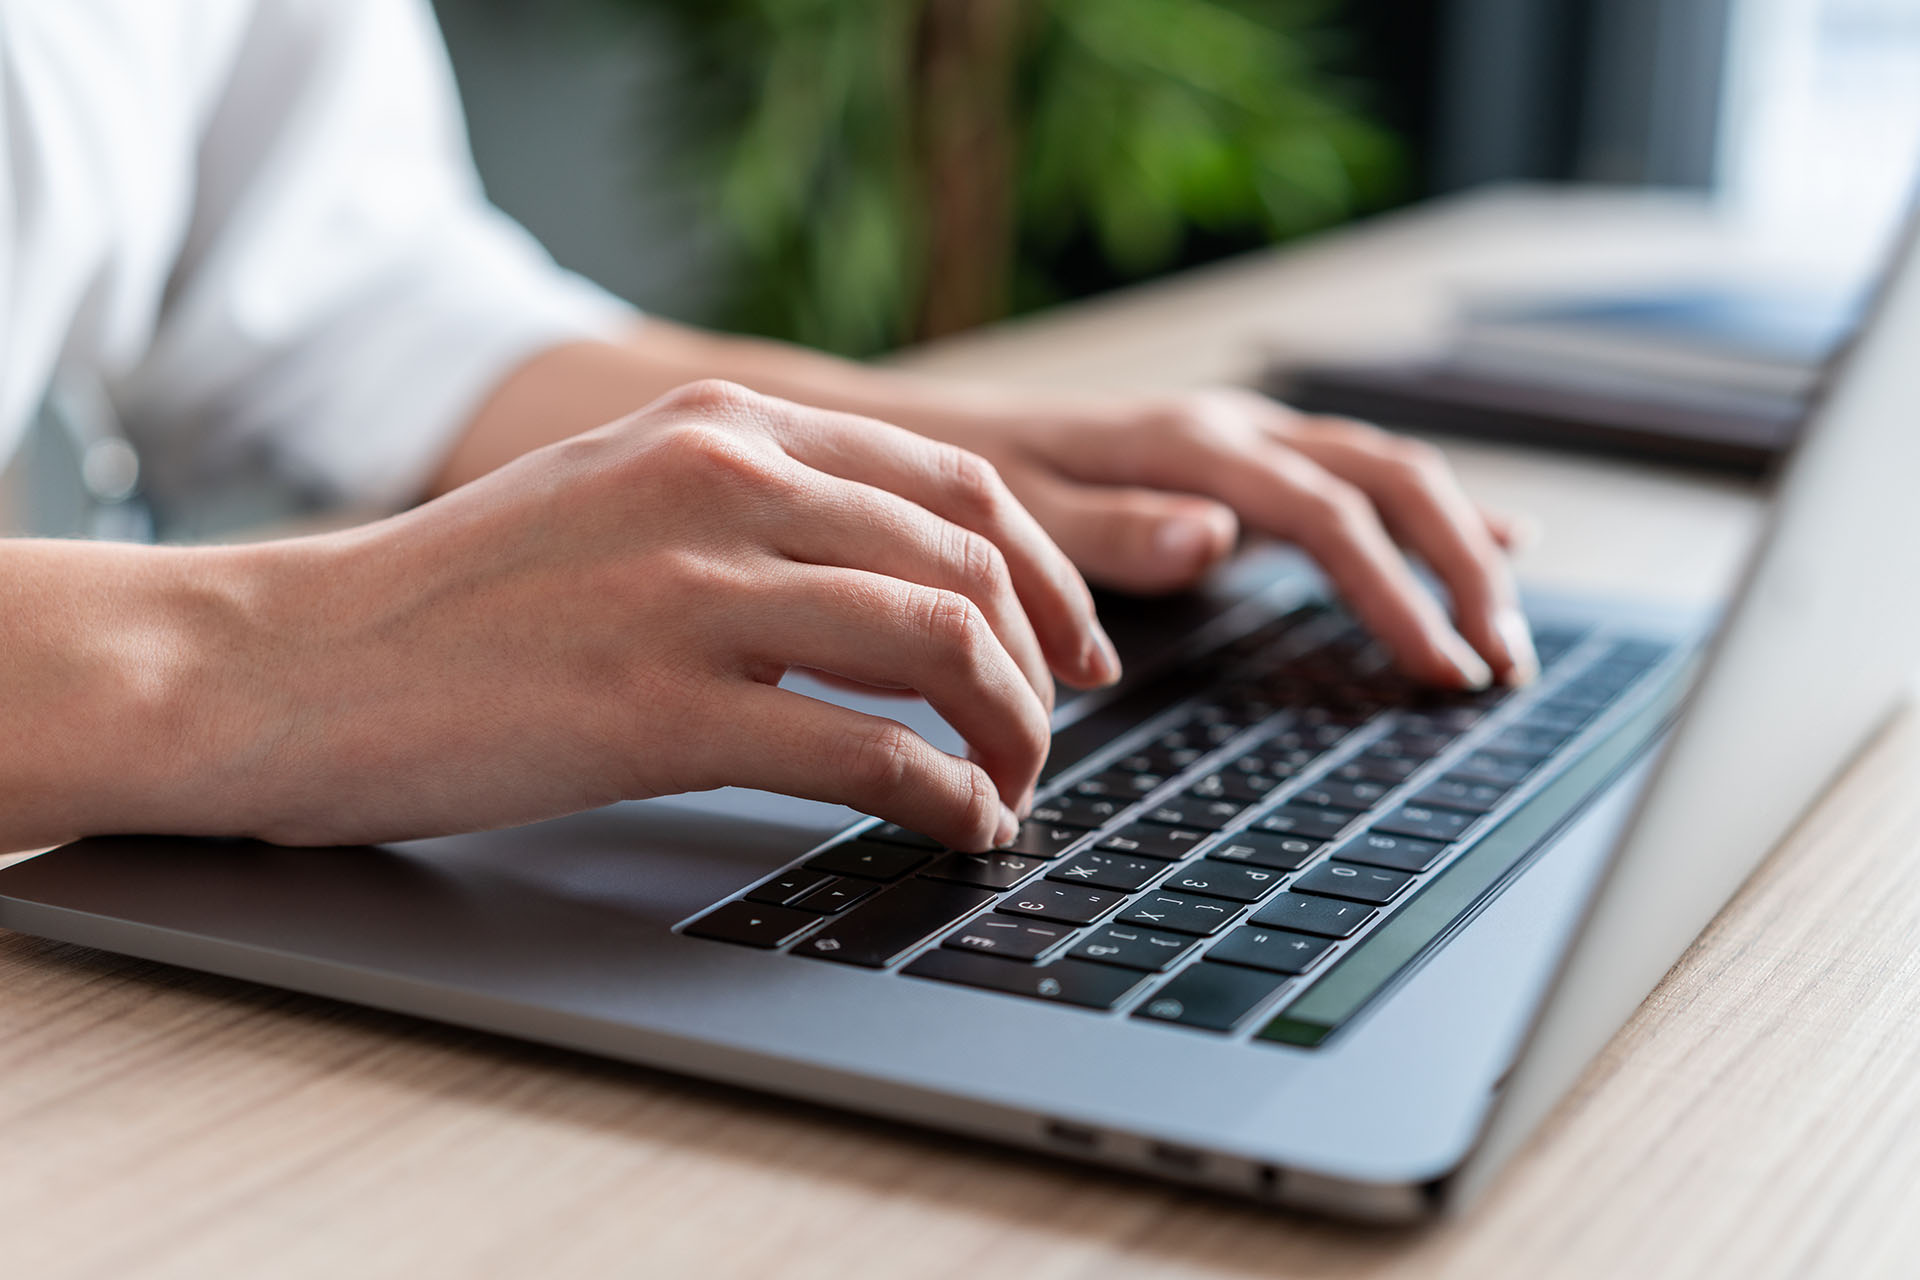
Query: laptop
point(1282, 926)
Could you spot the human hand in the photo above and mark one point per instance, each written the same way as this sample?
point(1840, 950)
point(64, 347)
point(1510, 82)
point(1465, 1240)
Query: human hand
point(1146, 495)
point(608, 618)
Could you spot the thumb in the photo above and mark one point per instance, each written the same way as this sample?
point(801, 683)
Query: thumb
point(1141, 540)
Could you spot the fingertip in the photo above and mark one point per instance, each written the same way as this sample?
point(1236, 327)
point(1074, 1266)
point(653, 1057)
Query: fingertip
point(1460, 667)
point(1101, 661)
point(1516, 637)
point(1186, 545)
point(1006, 829)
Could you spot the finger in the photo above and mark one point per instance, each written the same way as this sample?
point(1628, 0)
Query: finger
point(1282, 492)
point(1133, 539)
point(801, 746)
point(963, 488)
point(1425, 508)
point(857, 526)
point(883, 631)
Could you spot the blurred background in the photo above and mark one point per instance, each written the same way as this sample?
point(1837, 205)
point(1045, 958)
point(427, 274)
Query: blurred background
point(866, 175)
point(861, 174)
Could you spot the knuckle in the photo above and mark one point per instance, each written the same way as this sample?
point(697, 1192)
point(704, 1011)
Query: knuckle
point(1340, 506)
point(950, 621)
point(879, 761)
point(1417, 463)
point(714, 455)
point(714, 397)
point(1190, 421)
point(971, 480)
point(980, 563)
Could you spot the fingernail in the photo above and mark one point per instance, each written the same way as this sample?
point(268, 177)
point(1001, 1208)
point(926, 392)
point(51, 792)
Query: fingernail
point(1009, 828)
point(1474, 673)
point(1101, 660)
point(1517, 636)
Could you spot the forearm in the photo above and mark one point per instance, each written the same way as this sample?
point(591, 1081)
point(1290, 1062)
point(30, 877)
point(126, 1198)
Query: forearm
point(133, 689)
point(570, 389)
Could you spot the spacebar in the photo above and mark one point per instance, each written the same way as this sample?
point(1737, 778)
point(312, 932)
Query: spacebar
point(885, 927)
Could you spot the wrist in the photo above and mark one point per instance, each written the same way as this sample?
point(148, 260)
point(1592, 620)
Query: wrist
point(182, 689)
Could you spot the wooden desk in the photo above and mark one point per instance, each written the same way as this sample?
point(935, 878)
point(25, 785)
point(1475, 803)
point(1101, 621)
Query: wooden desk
point(1760, 1116)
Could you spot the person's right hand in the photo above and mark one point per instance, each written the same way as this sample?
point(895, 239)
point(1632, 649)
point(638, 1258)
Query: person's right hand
point(609, 618)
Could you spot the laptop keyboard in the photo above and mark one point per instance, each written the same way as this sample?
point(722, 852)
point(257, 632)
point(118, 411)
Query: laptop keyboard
point(1218, 859)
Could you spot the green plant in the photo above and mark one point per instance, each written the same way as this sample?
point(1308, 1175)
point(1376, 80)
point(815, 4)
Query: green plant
point(897, 169)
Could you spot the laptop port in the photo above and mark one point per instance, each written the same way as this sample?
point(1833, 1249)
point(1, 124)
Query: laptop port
point(1177, 1159)
point(1077, 1136)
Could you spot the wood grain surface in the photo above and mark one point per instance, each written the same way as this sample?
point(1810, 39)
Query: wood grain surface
point(1760, 1116)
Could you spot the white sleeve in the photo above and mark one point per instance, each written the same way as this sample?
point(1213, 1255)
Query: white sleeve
point(345, 297)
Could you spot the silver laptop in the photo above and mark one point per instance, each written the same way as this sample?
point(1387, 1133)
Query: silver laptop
point(1281, 927)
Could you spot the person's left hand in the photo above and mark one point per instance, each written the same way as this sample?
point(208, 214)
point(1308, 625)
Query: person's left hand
point(1148, 495)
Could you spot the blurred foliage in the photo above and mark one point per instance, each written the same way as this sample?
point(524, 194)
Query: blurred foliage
point(892, 169)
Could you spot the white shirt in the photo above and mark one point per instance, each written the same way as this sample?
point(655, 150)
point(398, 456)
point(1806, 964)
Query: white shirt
point(258, 223)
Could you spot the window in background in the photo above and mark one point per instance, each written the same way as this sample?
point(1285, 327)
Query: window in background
point(1822, 121)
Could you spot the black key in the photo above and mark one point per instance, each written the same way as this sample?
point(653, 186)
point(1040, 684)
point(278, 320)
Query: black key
point(988, 870)
point(1375, 768)
point(1305, 741)
point(1194, 811)
point(1278, 764)
point(1143, 762)
point(1043, 839)
point(1168, 760)
point(1200, 916)
point(1117, 783)
point(1068, 903)
point(1463, 794)
point(1089, 812)
point(1209, 788)
point(1130, 947)
point(894, 833)
point(835, 896)
point(1302, 820)
point(1346, 880)
point(1235, 882)
point(1210, 997)
point(1151, 840)
point(1501, 771)
point(1308, 914)
point(1397, 853)
point(1277, 950)
point(1212, 735)
point(868, 860)
point(1410, 746)
point(1442, 720)
point(787, 886)
point(998, 935)
point(1422, 823)
point(879, 930)
point(1337, 794)
point(1104, 870)
point(751, 924)
point(1091, 986)
point(1284, 853)
point(1231, 784)
point(1241, 712)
